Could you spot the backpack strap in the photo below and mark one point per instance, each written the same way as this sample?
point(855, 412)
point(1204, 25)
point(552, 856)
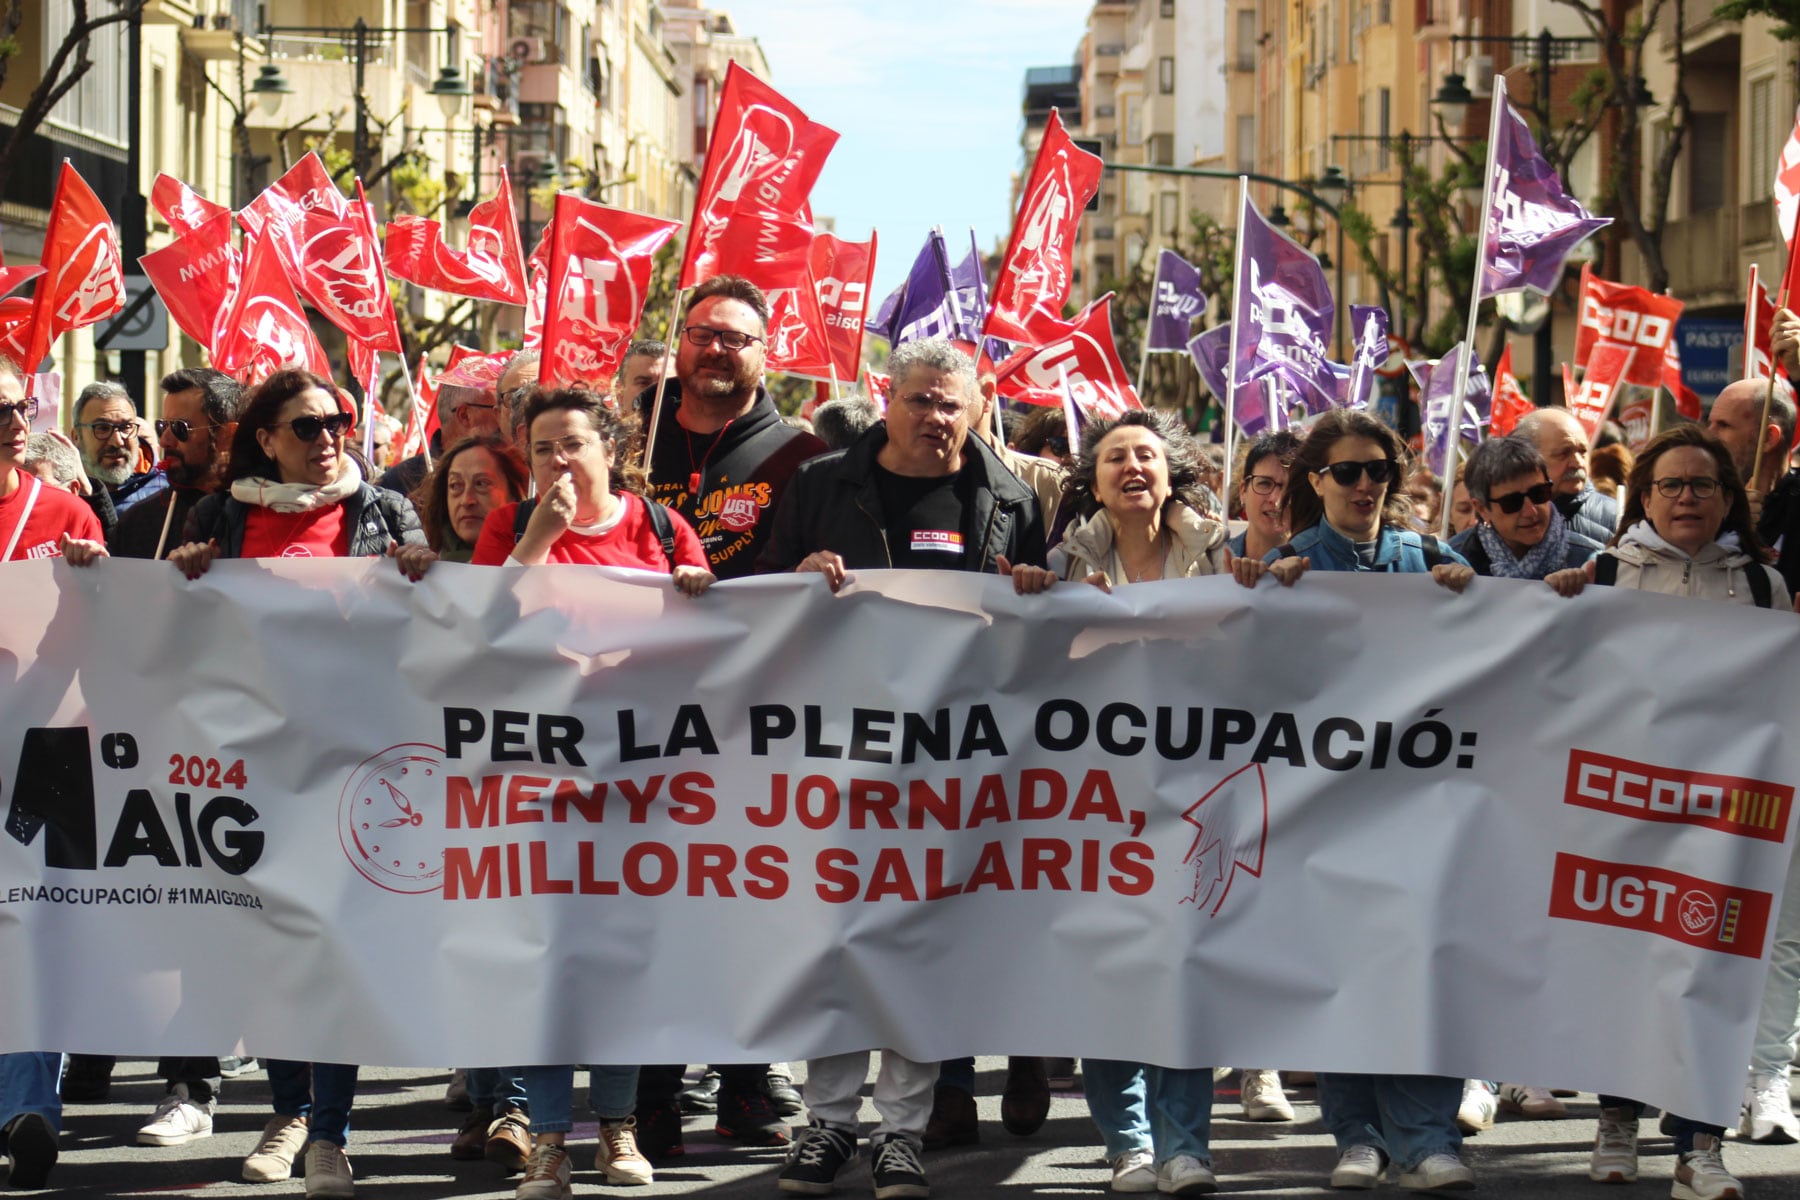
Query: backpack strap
point(1606, 570)
point(664, 527)
point(522, 518)
point(1286, 550)
point(1433, 550)
point(1760, 591)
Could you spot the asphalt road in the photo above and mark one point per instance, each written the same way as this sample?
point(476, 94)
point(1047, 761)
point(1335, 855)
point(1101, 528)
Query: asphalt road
point(402, 1131)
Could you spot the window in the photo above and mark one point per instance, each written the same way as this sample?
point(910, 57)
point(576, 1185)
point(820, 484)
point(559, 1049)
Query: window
point(1706, 154)
point(1171, 212)
point(1165, 75)
point(1385, 114)
point(1246, 39)
point(1246, 142)
point(1134, 121)
point(1168, 8)
point(1762, 129)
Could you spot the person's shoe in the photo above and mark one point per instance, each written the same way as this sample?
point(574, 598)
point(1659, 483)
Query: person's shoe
point(1665, 1124)
point(283, 1140)
point(1263, 1098)
point(1061, 1072)
point(456, 1092)
point(1534, 1102)
point(1768, 1113)
point(1185, 1175)
point(546, 1175)
point(508, 1141)
point(87, 1079)
point(1025, 1102)
point(748, 1117)
point(619, 1158)
point(783, 1096)
point(817, 1156)
point(471, 1139)
point(328, 1172)
point(700, 1097)
point(1134, 1171)
point(659, 1132)
point(231, 1068)
point(953, 1121)
point(1700, 1174)
point(177, 1120)
point(1476, 1112)
point(897, 1172)
point(32, 1144)
point(1358, 1167)
point(1614, 1159)
point(1443, 1172)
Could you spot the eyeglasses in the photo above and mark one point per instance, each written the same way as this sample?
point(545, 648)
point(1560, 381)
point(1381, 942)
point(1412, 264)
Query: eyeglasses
point(1703, 487)
point(25, 410)
point(1512, 502)
point(922, 405)
point(1379, 470)
point(704, 336)
point(572, 447)
point(180, 428)
point(476, 404)
point(1266, 485)
point(107, 430)
point(309, 428)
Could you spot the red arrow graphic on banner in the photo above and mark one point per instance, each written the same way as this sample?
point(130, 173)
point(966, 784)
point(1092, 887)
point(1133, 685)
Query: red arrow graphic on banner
point(1232, 834)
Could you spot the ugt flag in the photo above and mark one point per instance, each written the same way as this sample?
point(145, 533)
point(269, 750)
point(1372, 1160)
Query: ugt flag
point(1787, 182)
point(600, 261)
point(1532, 223)
point(1081, 357)
point(491, 267)
point(1175, 300)
point(84, 274)
point(1509, 400)
point(1033, 283)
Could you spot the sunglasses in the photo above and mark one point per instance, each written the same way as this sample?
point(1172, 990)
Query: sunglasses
point(25, 410)
point(1512, 502)
point(308, 428)
point(182, 429)
point(1345, 474)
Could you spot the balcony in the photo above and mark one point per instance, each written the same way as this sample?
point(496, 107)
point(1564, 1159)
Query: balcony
point(1756, 224)
point(1701, 253)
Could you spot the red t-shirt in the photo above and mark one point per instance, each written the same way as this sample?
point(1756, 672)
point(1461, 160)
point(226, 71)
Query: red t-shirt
point(54, 513)
point(630, 543)
point(320, 533)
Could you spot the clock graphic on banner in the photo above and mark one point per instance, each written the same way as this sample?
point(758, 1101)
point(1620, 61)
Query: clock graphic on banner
point(381, 818)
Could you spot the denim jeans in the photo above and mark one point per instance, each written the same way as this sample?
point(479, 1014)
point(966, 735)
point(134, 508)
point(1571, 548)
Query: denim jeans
point(1140, 1107)
point(498, 1088)
point(1407, 1117)
point(1684, 1128)
point(320, 1092)
point(1775, 1027)
point(30, 1083)
point(612, 1093)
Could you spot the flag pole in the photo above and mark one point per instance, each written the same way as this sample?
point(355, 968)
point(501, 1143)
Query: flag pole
point(1237, 330)
point(1762, 430)
point(413, 414)
point(837, 392)
point(1149, 320)
point(662, 389)
point(1481, 251)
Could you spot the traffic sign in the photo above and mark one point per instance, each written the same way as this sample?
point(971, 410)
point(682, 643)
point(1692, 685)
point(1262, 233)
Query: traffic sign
point(143, 324)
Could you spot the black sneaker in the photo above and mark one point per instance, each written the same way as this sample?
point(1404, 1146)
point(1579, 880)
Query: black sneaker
point(816, 1159)
point(87, 1079)
point(659, 1132)
point(898, 1175)
point(783, 1096)
point(32, 1144)
point(702, 1097)
point(748, 1117)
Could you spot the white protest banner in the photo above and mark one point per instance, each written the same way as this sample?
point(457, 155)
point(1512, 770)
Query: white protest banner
point(1362, 824)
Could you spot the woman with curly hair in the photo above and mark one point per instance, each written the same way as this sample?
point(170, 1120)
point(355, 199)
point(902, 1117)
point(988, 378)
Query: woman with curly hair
point(470, 480)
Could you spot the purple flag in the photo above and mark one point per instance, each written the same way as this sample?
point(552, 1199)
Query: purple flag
point(1175, 300)
point(1533, 223)
point(1370, 321)
point(1437, 381)
point(920, 307)
point(970, 283)
point(1285, 294)
point(1212, 355)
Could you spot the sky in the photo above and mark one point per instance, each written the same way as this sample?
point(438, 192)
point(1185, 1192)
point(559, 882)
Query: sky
point(925, 95)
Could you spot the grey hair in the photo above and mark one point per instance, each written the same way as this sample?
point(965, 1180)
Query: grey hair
point(65, 463)
point(453, 396)
point(1499, 459)
point(840, 422)
point(935, 354)
point(99, 390)
point(1781, 405)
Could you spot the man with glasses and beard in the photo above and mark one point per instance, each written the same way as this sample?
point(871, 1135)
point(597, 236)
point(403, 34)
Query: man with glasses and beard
point(200, 411)
point(1519, 532)
point(106, 432)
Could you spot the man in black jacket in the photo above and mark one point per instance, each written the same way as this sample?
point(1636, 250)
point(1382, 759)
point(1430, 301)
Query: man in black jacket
point(1736, 418)
point(200, 410)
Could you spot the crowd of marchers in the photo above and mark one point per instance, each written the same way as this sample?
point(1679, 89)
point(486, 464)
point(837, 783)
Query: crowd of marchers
point(698, 476)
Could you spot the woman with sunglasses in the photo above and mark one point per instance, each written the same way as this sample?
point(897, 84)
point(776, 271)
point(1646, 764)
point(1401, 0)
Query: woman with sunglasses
point(292, 490)
point(1518, 533)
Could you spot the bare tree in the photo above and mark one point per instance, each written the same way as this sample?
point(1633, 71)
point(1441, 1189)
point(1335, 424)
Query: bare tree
point(66, 66)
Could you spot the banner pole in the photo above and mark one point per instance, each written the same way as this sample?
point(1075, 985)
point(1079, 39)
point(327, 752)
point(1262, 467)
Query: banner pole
point(1237, 331)
point(414, 414)
point(1762, 430)
point(1149, 320)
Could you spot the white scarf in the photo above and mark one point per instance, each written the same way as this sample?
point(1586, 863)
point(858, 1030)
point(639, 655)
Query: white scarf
point(299, 497)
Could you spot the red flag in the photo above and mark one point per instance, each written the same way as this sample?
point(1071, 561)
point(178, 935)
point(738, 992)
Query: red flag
point(815, 328)
point(878, 387)
point(1608, 367)
point(600, 262)
point(15, 326)
point(1787, 182)
point(750, 214)
point(1687, 402)
point(1631, 316)
point(423, 414)
point(1759, 322)
point(181, 206)
point(1509, 401)
point(197, 275)
point(797, 335)
point(84, 273)
point(491, 268)
point(1084, 351)
point(538, 292)
point(265, 330)
point(283, 205)
point(14, 277)
point(1789, 295)
point(1034, 276)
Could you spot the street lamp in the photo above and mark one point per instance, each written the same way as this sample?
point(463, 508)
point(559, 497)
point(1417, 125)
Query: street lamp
point(271, 87)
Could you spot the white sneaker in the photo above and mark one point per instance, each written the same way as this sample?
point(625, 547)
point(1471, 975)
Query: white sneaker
point(1534, 1102)
point(619, 1157)
point(1439, 1173)
point(283, 1140)
point(1263, 1098)
point(1134, 1171)
point(546, 1175)
point(1476, 1112)
point(328, 1172)
point(1185, 1175)
point(1701, 1175)
point(1358, 1167)
point(1614, 1159)
point(1768, 1113)
point(177, 1120)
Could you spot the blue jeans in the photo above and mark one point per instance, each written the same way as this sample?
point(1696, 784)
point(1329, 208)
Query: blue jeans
point(498, 1088)
point(320, 1092)
point(1407, 1117)
point(1141, 1107)
point(30, 1083)
point(612, 1091)
point(1684, 1128)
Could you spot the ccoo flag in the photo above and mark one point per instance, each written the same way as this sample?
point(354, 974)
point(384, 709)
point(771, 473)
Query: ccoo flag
point(1533, 224)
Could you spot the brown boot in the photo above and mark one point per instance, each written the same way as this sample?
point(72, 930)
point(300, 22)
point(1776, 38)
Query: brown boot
point(471, 1139)
point(952, 1120)
point(1025, 1104)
